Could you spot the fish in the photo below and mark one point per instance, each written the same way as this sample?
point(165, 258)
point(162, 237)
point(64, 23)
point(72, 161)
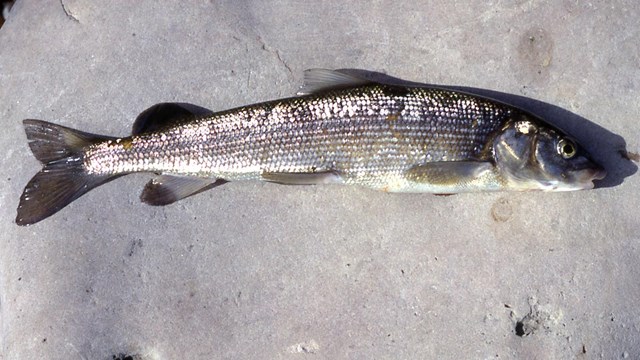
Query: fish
point(340, 129)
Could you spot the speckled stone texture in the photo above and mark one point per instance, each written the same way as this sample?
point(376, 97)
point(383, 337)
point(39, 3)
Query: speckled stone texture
point(262, 271)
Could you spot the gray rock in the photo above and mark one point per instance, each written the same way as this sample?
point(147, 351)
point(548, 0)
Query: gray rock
point(261, 271)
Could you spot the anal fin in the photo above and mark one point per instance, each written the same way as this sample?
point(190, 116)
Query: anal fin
point(314, 178)
point(167, 189)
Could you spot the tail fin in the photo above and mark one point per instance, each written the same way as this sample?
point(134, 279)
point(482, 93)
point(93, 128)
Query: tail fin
point(63, 177)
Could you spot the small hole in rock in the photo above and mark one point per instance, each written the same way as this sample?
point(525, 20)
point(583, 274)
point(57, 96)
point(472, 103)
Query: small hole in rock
point(519, 328)
point(125, 357)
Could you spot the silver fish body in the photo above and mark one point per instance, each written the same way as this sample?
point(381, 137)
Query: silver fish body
point(370, 136)
point(349, 131)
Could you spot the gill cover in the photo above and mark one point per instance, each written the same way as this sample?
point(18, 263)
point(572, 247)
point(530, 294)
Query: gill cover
point(532, 156)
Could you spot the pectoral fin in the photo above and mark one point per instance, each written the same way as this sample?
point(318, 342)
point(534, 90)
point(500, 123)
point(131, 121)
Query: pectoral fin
point(448, 173)
point(167, 189)
point(315, 178)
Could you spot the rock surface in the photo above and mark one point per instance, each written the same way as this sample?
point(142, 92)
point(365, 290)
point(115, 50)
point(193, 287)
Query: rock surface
point(261, 271)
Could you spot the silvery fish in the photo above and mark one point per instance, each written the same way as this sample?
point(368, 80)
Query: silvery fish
point(340, 130)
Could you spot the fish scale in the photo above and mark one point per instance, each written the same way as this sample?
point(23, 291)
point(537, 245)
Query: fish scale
point(363, 134)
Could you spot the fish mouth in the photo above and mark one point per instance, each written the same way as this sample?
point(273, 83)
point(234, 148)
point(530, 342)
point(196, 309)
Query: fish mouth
point(586, 177)
point(598, 173)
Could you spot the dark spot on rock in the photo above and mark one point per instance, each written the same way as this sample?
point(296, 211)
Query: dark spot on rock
point(122, 356)
point(520, 328)
point(135, 244)
point(531, 322)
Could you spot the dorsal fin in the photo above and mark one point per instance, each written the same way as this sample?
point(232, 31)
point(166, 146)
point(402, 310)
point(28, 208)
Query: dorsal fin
point(160, 116)
point(319, 80)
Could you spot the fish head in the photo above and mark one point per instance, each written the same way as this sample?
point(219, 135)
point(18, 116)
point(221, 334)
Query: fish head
point(530, 155)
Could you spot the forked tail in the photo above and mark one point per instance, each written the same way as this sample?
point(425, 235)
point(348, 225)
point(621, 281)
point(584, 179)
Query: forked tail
point(63, 177)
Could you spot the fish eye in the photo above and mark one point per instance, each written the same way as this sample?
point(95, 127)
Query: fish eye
point(567, 148)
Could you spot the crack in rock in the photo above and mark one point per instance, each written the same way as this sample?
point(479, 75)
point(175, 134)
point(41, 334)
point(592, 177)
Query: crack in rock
point(276, 52)
point(68, 12)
